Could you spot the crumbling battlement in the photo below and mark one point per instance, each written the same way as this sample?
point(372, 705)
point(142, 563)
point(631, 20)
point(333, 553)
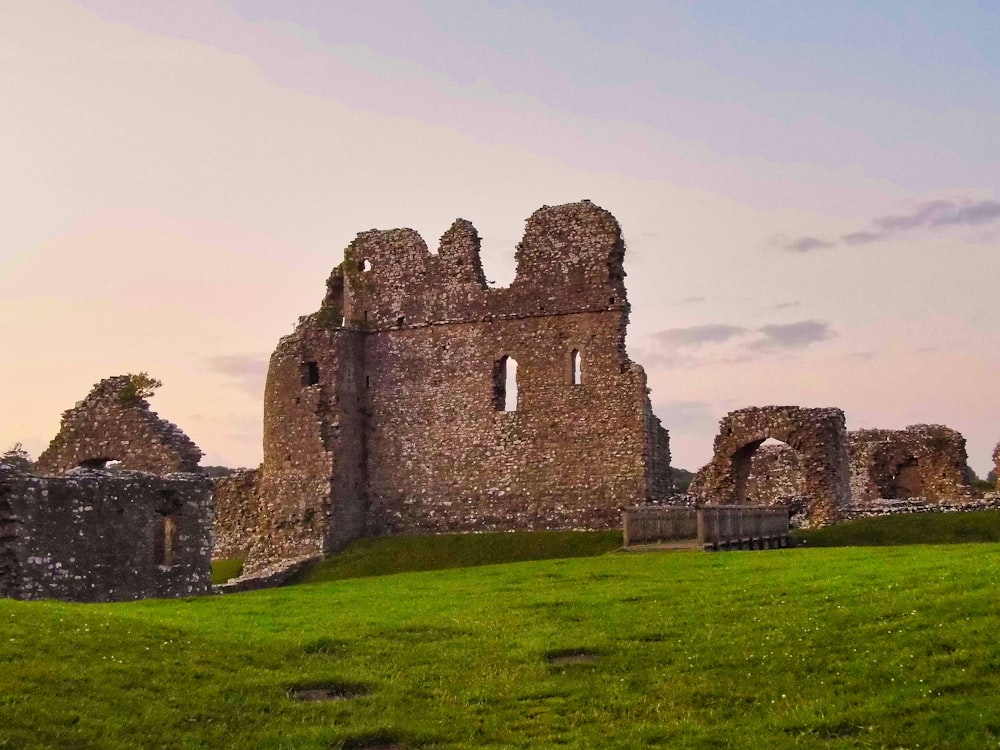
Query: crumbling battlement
point(114, 424)
point(91, 536)
point(818, 436)
point(925, 460)
point(419, 400)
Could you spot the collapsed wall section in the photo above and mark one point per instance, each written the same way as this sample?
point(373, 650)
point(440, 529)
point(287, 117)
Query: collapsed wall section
point(113, 423)
point(925, 461)
point(91, 536)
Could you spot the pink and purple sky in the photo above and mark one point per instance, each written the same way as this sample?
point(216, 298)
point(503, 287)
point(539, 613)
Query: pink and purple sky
point(809, 191)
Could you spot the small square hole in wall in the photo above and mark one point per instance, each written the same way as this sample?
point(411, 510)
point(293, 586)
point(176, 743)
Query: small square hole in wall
point(399, 321)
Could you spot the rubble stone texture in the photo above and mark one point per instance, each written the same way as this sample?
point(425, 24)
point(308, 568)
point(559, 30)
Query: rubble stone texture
point(91, 536)
point(923, 461)
point(386, 410)
point(111, 424)
point(818, 436)
point(775, 477)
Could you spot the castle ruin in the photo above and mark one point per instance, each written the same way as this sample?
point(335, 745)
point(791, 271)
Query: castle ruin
point(417, 399)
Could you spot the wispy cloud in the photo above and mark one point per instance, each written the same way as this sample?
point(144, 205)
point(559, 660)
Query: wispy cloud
point(791, 335)
point(928, 216)
point(698, 335)
point(684, 347)
point(248, 371)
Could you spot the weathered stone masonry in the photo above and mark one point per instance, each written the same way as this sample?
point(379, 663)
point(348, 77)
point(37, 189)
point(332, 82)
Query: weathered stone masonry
point(114, 424)
point(91, 536)
point(385, 410)
point(924, 460)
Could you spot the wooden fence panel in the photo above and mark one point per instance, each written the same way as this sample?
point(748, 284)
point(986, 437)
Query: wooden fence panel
point(742, 527)
point(656, 524)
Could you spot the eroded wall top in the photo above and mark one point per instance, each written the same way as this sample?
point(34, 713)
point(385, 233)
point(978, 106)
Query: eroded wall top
point(113, 423)
point(569, 260)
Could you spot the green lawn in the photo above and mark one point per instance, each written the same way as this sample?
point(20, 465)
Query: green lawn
point(892, 647)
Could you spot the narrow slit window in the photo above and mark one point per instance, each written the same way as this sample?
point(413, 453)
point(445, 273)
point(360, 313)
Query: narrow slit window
point(505, 384)
point(310, 373)
point(166, 540)
point(577, 363)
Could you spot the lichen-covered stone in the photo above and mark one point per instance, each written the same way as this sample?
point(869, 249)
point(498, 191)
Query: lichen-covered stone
point(114, 424)
point(91, 536)
point(384, 410)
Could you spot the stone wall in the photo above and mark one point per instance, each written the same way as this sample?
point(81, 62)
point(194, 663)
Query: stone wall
point(818, 436)
point(114, 424)
point(237, 514)
point(91, 536)
point(922, 461)
point(385, 410)
point(889, 507)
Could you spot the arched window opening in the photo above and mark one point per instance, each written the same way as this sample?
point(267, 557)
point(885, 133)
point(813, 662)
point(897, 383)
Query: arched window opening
point(505, 384)
point(364, 265)
point(577, 361)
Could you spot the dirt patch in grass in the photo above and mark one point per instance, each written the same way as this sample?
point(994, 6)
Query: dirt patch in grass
point(327, 691)
point(572, 656)
point(377, 741)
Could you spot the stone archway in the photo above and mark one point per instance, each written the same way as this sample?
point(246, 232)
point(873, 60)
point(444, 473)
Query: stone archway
point(818, 436)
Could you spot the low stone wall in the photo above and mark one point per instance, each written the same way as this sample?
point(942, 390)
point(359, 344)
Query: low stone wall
point(888, 507)
point(90, 536)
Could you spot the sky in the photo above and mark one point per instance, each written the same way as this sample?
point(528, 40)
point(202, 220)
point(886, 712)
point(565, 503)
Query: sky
point(809, 191)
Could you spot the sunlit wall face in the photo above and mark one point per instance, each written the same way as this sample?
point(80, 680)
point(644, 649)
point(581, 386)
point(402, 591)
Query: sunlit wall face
point(809, 200)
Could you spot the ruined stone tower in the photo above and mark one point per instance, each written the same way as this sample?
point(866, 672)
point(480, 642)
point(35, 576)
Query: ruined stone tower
point(418, 400)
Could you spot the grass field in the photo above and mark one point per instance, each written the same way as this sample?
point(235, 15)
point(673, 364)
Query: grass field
point(892, 647)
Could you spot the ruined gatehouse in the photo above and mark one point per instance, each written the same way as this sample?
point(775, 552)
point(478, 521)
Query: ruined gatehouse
point(417, 399)
point(819, 440)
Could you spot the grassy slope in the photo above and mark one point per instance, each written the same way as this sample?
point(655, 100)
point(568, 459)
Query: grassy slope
point(908, 528)
point(852, 647)
point(385, 555)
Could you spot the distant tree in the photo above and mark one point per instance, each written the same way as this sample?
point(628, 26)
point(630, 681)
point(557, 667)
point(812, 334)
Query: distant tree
point(217, 471)
point(17, 457)
point(682, 479)
point(991, 477)
point(140, 385)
